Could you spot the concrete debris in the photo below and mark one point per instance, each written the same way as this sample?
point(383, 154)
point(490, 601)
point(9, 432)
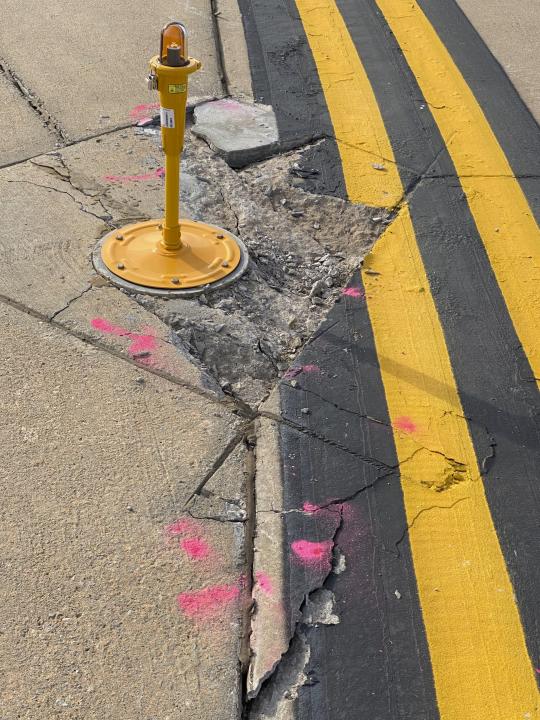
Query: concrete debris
point(243, 335)
point(319, 608)
point(240, 133)
point(242, 338)
point(339, 564)
point(277, 697)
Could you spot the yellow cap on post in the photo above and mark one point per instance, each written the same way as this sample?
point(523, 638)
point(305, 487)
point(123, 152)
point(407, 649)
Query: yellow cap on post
point(171, 256)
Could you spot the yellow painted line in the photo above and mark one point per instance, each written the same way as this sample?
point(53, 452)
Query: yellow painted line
point(500, 209)
point(479, 658)
point(358, 126)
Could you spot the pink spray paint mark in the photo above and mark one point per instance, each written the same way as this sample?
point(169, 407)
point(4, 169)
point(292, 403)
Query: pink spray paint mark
point(195, 548)
point(310, 508)
point(537, 670)
point(353, 292)
point(207, 602)
point(404, 423)
point(141, 344)
point(155, 174)
point(141, 111)
point(295, 371)
point(313, 553)
point(179, 527)
point(264, 582)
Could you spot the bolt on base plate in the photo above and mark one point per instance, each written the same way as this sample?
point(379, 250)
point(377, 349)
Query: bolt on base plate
point(133, 258)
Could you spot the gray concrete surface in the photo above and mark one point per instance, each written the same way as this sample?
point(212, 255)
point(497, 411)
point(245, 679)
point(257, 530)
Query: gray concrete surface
point(98, 460)
point(109, 428)
point(22, 133)
point(234, 50)
point(240, 133)
point(87, 62)
point(512, 33)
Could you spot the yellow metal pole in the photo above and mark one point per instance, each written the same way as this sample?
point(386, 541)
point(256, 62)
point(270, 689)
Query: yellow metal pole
point(171, 254)
point(172, 239)
point(172, 84)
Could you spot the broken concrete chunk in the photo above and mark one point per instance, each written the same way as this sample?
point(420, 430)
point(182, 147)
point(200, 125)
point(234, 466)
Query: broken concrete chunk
point(240, 133)
point(319, 608)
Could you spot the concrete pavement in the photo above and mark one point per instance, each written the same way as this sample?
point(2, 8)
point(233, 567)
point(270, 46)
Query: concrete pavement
point(125, 468)
point(513, 36)
point(86, 64)
point(98, 552)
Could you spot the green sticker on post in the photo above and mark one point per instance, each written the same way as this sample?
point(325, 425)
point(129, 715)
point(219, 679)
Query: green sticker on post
point(175, 89)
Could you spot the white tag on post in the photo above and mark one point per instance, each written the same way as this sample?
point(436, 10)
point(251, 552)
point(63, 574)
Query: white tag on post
point(166, 117)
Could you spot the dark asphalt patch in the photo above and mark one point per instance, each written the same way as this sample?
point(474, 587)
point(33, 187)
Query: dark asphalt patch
point(284, 75)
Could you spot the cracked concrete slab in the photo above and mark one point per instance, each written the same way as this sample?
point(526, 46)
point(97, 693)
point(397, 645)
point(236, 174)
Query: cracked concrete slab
point(224, 496)
point(269, 629)
point(46, 242)
point(116, 321)
point(22, 134)
point(97, 57)
point(116, 604)
point(303, 247)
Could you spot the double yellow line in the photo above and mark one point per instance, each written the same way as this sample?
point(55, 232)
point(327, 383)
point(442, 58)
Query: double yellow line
point(479, 658)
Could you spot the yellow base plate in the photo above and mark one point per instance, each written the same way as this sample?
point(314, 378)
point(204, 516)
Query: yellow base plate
point(134, 253)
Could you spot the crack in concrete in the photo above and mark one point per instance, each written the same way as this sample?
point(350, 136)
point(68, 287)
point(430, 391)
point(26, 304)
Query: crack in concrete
point(326, 401)
point(81, 205)
point(34, 102)
point(220, 460)
point(230, 406)
point(69, 302)
point(327, 441)
point(70, 143)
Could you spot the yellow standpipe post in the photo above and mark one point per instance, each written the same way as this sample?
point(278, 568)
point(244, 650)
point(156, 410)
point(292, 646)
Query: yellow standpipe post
point(171, 256)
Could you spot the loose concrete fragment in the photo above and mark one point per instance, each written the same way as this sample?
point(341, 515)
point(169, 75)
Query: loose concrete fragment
point(319, 608)
point(118, 321)
point(269, 629)
point(277, 698)
point(240, 133)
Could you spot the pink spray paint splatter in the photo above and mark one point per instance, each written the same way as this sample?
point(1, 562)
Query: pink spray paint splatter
point(294, 371)
point(180, 527)
point(141, 111)
point(264, 582)
point(142, 345)
point(313, 553)
point(310, 507)
point(195, 548)
point(206, 603)
point(353, 292)
point(404, 423)
point(154, 175)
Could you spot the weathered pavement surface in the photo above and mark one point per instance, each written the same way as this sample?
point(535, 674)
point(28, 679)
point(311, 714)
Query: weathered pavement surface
point(124, 465)
point(128, 422)
point(392, 569)
point(398, 458)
